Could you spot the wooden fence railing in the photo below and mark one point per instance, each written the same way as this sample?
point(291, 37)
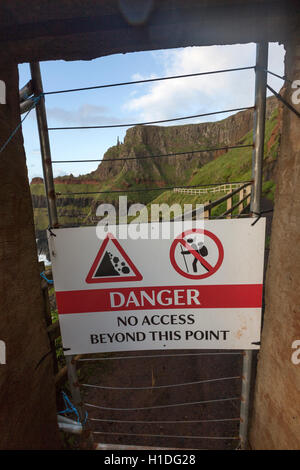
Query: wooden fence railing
point(244, 191)
point(227, 187)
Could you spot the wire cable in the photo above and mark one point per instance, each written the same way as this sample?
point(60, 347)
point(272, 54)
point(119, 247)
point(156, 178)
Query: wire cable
point(142, 190)
point(109, 126)
point(148, 80)
point(280, 98)
point(143, 157)
point(166, 435)
point(162, 406)
point(121, 191)
point(160, 386)
point(19, 125)
point(165, 422)
point(161, 355)
point(284, 77)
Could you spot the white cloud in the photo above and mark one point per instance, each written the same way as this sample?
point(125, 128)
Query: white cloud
point(84, 115)
point(196, 95)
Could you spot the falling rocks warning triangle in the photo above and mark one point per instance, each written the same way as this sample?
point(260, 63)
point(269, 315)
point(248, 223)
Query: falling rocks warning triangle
point(112, 264)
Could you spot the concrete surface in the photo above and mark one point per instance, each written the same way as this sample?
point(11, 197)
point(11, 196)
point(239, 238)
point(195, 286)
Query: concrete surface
point(276, 422)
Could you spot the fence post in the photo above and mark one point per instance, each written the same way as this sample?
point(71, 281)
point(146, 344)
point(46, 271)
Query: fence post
point(229, 206)
point(86, 436)
point(41, 116)
point(257, 164)
point(242, 193)
point(74, 385)
point(207, 213)
point(248, 193)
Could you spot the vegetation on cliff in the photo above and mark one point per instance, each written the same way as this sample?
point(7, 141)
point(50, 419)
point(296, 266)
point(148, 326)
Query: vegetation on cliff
point(191, 169)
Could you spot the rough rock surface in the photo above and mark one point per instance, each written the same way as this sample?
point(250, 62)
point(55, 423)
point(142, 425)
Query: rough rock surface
point(157, 140)
point(275, 422)
point(27, 392)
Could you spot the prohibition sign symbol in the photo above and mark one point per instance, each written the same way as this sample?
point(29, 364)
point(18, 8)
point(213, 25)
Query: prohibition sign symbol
point(210, 268)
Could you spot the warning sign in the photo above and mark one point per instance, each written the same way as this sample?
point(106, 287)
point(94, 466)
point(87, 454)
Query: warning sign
point(200, 289)
point(196, 254)
point(112, 264)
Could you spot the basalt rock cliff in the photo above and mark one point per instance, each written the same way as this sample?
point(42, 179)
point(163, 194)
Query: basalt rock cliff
point(137, 172)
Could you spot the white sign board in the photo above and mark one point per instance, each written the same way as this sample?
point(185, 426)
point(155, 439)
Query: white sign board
point(202, 289)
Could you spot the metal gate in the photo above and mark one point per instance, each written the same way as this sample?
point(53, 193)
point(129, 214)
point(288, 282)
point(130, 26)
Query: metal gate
point(33, 95)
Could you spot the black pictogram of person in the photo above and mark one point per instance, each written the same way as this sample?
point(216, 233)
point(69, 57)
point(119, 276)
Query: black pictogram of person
point(199, 248)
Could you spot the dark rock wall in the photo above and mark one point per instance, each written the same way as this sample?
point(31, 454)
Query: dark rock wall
point(85, 29)
point(64, 29)
point(157, 140)
point(27, 393)
point(275, 422)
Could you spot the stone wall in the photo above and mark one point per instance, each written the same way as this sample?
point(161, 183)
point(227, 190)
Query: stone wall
point(85, 29)
point(27, 392)
point(275, 423)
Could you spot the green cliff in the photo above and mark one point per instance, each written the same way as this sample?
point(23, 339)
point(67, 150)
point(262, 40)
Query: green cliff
point(190, 169)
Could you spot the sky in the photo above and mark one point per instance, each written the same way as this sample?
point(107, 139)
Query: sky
point(137, 103)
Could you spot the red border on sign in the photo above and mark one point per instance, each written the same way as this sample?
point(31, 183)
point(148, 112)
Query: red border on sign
point(180, 239)
point(92, 280)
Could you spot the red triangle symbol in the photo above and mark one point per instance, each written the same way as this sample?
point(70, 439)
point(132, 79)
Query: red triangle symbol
point(112, 264)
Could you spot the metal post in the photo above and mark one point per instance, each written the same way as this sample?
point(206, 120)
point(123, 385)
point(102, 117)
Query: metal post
point(87, 436)
point(44, 143)
point(245, 398)
point(259, 124)
point(74, 386)
point(37, 87)
point(255, 208)
point(26, 91)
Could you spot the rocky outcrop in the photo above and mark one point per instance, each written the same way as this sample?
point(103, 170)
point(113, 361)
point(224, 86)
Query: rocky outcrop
point(275, 424)
point(37, 180)
point(141, 141)
point(137, 172)
point(27, 391)
point(40, 201)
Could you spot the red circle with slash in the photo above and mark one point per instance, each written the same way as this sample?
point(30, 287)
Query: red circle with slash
point(211, 269)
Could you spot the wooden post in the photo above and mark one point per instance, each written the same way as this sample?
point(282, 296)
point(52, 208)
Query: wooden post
point(242, 193)
point(248, 191)
point(229, 206)
point(208, 212)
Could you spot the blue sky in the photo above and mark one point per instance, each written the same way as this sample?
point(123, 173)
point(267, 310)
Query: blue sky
point(135, 103)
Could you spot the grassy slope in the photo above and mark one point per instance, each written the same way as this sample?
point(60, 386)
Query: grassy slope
point(235, 165)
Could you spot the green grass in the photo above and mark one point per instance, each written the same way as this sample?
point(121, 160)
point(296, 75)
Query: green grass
point(268, 189)
point(235, 165)
point(39, 189)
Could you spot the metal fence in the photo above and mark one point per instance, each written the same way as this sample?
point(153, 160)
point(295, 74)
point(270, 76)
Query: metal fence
point(120, 415)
